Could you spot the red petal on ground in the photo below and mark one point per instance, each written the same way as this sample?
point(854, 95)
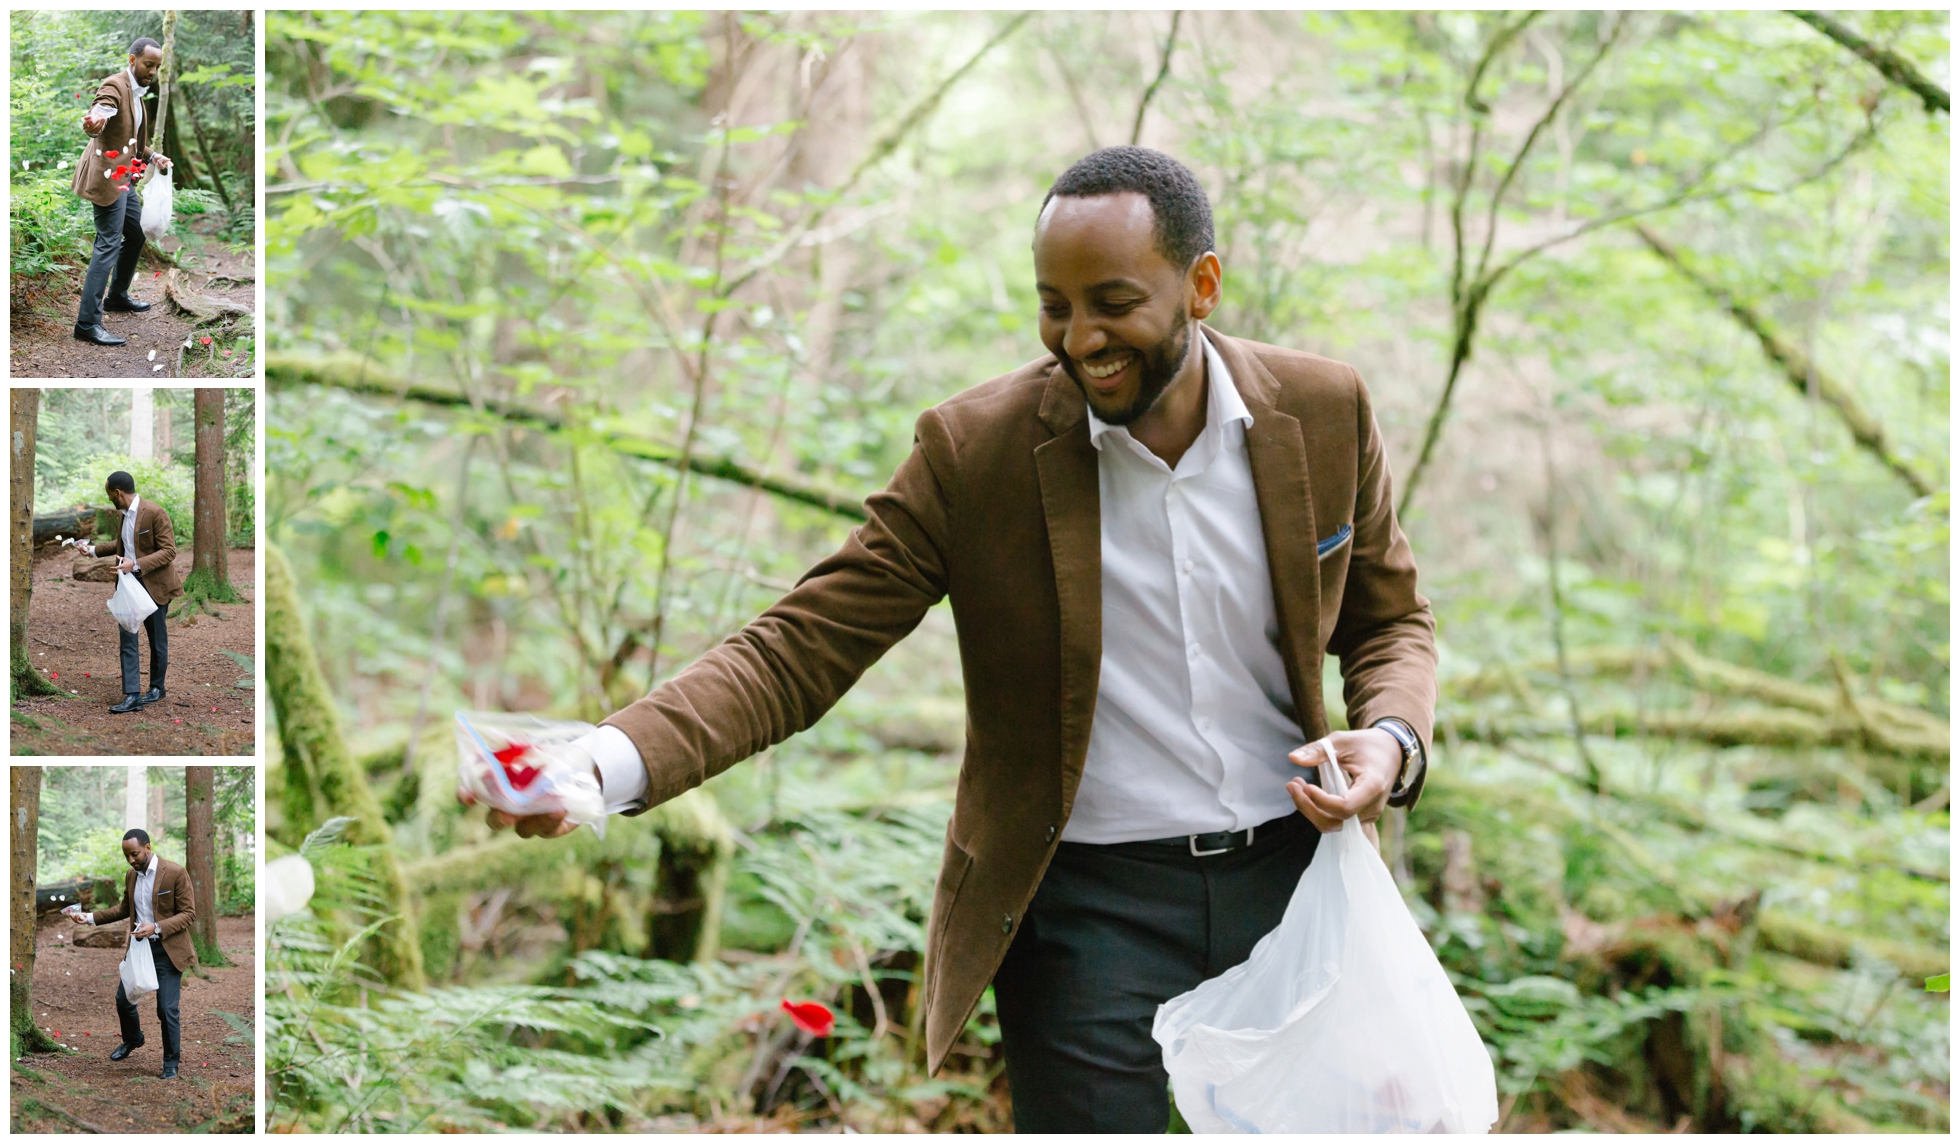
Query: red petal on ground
point(810, 1017)
point(205, 342)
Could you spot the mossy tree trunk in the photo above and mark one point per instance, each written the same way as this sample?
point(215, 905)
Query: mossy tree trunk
point(201, 861)
point(322, 779)
point(24, 411)
point(210, 579)
point(24, 790)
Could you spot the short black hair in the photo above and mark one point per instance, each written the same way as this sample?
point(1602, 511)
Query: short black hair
point(1177, 199)
point(139, 834)
point(144, 44)
point(121, 481)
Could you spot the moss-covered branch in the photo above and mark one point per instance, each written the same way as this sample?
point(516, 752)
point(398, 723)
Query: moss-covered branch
point(356, 375)
point(321, 779)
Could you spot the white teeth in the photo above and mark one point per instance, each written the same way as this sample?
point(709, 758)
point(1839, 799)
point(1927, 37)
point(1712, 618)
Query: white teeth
point(1100, 372)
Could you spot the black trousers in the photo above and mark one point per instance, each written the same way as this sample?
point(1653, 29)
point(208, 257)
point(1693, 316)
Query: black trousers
point(170, 982)
point(1114, 932)
point(118, 244)
point(153, 625)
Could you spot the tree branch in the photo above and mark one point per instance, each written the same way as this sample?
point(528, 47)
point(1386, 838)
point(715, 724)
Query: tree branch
point(354, 375)
point(1163, 73)
point(1803, 373)
point(1890, 64)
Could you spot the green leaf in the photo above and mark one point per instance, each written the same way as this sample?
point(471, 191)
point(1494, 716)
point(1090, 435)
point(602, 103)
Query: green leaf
point(1938, 984)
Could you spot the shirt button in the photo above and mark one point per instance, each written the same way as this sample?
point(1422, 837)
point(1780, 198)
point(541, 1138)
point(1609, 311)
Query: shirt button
point(1194, 651)
point(1007, 923)
point(1187, 567)
point(1205, 723)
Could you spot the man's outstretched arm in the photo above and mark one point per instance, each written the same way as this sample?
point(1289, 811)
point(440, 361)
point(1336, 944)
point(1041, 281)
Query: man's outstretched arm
point(790, 665)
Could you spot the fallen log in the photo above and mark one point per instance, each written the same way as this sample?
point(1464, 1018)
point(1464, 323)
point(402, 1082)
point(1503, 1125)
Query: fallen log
point(77, 521)
point(195, 303)
point(1761, 727)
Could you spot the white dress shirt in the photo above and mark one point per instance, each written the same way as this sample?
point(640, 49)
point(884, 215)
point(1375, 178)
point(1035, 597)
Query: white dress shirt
point(143, 897)
point(1194, 716)
point(128, 529)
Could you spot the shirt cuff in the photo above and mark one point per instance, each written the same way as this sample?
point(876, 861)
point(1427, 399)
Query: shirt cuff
point(622, 773)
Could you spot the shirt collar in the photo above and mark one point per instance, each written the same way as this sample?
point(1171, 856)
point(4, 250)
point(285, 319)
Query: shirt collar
point(134, 500)
point(1223, 404)
point(152, 867)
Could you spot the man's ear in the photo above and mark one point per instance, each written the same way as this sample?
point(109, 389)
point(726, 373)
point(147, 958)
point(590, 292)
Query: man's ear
point(1205, 285)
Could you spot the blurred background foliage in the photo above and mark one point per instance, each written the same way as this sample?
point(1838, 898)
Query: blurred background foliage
point(589, 329)
point(59, 58)
point(80, 836)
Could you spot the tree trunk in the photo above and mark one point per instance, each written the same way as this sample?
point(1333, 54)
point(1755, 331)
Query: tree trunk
point(200, 857)
point(166, 76)
point(210, 578)
point(24, 787)
point(24, 410)
point(158, 819)
point(322, 780)
point(210, 168)
point(136, 800)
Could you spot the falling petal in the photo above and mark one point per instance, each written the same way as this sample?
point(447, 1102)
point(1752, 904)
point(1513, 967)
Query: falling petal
point(810, 1017)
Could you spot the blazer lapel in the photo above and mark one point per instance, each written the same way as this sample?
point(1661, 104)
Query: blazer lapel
point(1071, 503)
point(1277, 451)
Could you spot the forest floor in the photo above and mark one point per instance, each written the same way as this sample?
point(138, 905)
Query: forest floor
point(75, 1000)
point(42, 321)
point(73, 638)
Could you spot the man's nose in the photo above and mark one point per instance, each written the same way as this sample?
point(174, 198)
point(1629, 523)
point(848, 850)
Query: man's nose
point(1083, 339)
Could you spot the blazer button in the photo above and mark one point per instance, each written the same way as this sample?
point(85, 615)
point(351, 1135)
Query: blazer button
point(1051, 834)
point(1007, 923)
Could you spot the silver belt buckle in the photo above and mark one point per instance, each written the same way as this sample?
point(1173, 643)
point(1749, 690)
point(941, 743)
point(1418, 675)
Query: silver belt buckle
point(1192, 840)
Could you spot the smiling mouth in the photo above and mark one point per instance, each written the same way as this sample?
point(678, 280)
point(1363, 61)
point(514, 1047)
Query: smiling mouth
point(1108, 369)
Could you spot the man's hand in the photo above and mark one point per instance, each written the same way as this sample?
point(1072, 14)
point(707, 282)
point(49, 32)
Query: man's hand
point(532, 826)
point(162, 164)
point(92, 125)
point(73, 913)
point(126, 565)
point(144, 930)
point(1370, 759)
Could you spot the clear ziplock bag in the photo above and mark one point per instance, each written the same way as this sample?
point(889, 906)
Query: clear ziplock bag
point(130, 604)
point(139, 971)
point(525, 765)
point(1342, 1020)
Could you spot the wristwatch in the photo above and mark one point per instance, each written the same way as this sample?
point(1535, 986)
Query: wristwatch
point(1411, 753)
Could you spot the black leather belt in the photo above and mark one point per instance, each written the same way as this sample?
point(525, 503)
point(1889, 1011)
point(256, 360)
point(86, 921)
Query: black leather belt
point(1225, 841)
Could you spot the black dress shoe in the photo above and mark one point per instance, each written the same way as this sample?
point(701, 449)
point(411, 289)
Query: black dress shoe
point(98, 335)
point(153, 695)
point(169, 1069)
point(125, 304)
point(130, 703)
point(121, 1051)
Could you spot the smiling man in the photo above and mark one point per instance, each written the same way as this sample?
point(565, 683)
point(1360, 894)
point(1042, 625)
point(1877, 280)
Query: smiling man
point(118, 130)
point(160, 905)
point(1151, 538)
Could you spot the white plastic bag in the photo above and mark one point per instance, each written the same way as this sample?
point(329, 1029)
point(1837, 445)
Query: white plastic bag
point(525, 765)
point(131, 605)
point(1342, 1020)
point(156, 205)
point(139, 971)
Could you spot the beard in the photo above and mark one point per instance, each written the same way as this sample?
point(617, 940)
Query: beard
point(1157, 367)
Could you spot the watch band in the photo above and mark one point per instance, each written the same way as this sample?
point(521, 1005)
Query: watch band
point(1411, 750)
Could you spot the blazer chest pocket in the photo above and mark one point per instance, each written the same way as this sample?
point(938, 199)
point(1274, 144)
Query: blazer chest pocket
point(1342, 536)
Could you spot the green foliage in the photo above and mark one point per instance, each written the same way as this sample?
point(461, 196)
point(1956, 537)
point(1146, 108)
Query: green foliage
point(168, 484)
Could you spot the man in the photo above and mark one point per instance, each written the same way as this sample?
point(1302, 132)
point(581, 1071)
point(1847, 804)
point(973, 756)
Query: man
point(1150, 537)
point(118, 150)
point(148, 548)
point(157, 895)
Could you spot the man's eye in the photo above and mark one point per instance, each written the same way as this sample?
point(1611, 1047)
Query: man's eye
point(1055, 311)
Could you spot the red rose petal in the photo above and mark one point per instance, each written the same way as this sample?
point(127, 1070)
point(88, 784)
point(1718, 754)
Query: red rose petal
point(205, 342)
point(54, 675)
point(110, 154)
point(810, 1017)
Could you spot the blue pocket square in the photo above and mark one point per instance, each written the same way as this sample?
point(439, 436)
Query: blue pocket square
point(1335, 541)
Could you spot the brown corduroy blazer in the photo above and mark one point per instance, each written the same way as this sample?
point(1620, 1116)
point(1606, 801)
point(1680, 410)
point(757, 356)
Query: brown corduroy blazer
point(156, 551)
point(174, 908)
point(997, 507)
point(95, 173)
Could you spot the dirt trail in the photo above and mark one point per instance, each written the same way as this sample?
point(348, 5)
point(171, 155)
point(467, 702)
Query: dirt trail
point(75, 999)
point(43, 320)
point(71, 634)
